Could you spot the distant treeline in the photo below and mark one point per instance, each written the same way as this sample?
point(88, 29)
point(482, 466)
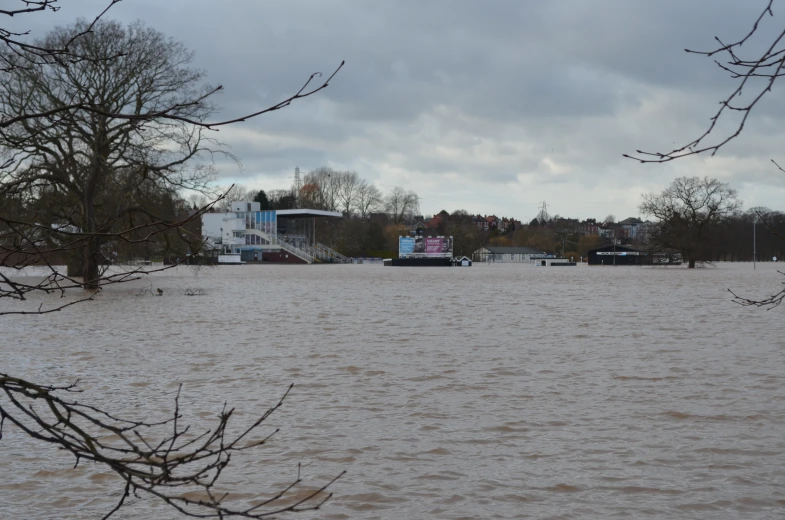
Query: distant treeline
point(732, 240)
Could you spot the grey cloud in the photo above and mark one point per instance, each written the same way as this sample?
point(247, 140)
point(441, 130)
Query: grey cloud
point(490, 105)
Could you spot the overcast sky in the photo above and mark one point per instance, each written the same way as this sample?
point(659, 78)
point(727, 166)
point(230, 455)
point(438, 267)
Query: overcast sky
point(491, 106)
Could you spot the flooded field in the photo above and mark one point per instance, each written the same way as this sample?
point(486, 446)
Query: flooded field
point(498, 391)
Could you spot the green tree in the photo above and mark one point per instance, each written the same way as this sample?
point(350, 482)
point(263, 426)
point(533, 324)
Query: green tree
point(261, 198)
point(374, 237)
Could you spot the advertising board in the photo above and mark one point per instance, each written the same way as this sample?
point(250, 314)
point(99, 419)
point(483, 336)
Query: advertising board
point(437, 247)
point(405, 246)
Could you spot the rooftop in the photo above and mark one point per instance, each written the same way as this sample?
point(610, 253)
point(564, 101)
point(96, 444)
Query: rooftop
point(307, 213)
point(514, 250)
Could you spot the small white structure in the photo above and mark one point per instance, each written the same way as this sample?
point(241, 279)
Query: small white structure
point(551, 262)
point(230, 259)
point(507, 254)
point(245, 206)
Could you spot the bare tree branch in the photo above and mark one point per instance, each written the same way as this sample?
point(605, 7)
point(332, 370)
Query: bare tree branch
point(35, 54)
point(180, 467)
point(170, 112)
point(771, 302)
point(768, 65)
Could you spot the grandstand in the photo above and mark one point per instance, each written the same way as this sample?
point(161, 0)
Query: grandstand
point(281, 236)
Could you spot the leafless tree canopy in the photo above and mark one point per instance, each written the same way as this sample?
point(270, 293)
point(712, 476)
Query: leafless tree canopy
point(369, 200)
point(687, 210)
point(91, 171)
point(757, 72)
point(402, 204)
point(349, 185)
point(335, 190)
point(233, 192)
point(320, 189)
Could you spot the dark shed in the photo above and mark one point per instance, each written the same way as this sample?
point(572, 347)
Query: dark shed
point(624, 256)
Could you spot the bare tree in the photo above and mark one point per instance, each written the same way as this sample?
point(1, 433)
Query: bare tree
point(757, 71)
point(321, 188)
point(235, 192)
point(369, 199)
point(96, 162)
point(686, 212)
point(402, 204)
point(166, 460)
point(24, 239)
point(349, 184)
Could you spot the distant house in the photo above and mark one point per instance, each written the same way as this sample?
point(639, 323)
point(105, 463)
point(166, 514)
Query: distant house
point(571, 223)
point(632, 228)
point(507, 225)
point(507, 254)
point(436, 222)
point(588, 227)
point(609, 230)
point(418, 227)
point(491, 222)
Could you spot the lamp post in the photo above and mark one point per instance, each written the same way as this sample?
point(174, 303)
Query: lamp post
point(754, 240)
point(614, 247)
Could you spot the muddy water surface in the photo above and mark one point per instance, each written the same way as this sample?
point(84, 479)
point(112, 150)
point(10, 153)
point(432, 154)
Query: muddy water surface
point(498, 391)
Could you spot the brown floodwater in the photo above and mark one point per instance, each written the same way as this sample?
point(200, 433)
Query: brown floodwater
point(497, 391)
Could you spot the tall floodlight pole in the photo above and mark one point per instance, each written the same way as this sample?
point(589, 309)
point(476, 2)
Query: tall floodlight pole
point(614, 248)
point(754, 241)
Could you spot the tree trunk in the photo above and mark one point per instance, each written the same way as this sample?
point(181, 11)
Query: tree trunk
point(691, 265)
point(92, 248)
point(90, 279)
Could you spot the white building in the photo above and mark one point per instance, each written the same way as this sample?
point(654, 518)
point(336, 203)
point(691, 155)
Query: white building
point(634, 228)
point(274, 235)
